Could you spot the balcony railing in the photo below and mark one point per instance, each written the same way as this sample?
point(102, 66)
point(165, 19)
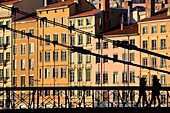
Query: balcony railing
point(74, 97)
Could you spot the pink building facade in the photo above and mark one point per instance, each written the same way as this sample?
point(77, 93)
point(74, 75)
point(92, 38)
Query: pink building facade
point(109, 73)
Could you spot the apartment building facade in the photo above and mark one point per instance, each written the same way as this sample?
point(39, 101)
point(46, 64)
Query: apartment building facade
point(5, 52)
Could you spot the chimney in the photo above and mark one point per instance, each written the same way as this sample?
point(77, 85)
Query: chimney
point(106, 9)
point(45, 2)
point(122, 23)
point(129, 13)
point(150, 8)
point(168, 13)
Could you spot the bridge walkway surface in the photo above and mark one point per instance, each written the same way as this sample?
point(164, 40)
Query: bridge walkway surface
point(91, 110)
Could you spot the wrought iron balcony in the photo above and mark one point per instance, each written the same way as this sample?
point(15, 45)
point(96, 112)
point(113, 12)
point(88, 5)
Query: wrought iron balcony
point(76, 97)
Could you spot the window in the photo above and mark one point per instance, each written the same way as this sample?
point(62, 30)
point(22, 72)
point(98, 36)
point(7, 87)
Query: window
point(97, 45)
point(124, 77)
point(7, 74)
point(22, 33)
point(144, 61)
point(105, 59)
point(55, 72)
point(14, 49)
point(88, 58)
point(105, 96)
point(145, 30)
point(63, 55)
point(163, 79)
point(8, 23)
point(115, 56)
point(80, 57)
point(87, 93)
point(71, 93)
point(8, 40)
point(32, 31)
point(153, 45)
point(145, 44)
point(100, 23)
point(1, 74)
point(63, 20)
point(47, 72)
point(115, 77)
point(105, 45)
point(80, 22)
point(41, 40)
point(105, 77)
point(47, 23)
point(163, 99)
point(31, 80)
point(40, 56)
point(71, 76)
point(79, 78)
point(1, 41)
point(72, 58)
point(79, 93)
point(124, 56)
point(22, 96)
point(115, 96)
point(1, 58)
point(55, 20)
point(163, 44)
point(88, 21)
point(88, 74)
point(23, 64)
point(1, 23)
point(132, 56)
point(71, 22)
point(22, 81)
point(31, 64)
point(162, 63)
point(154, 29)
point(88, 39)
point(47, 39)
point(14, 35)
point(23, 49)
point(40, 73)
point(80, 39)
point(55, 37)
point(55, 55)
point(63, 72)
point(72, 39)
point(47, 56)
point(31, 48)
point(14, 82)
point(97, 78)
point(163, 29)
point(153, 61)
point(132, 77)
point(97, 59)
point(132, 41)
point(63, 38)
point(14, 65)
point(47, 92)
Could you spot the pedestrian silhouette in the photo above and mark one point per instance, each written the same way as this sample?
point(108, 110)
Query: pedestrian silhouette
point(142, 92)
point(155, 91)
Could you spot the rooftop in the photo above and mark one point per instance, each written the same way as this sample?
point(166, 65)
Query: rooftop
point(58, 4)
point(128, 29)
point(161, 14)
point(9, 2)
point(27, 18)
point(87, 13)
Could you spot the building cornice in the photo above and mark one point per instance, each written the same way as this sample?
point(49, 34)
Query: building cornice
point(45, 9)
point(21, 22)
point(120, 35)
point(153, 21)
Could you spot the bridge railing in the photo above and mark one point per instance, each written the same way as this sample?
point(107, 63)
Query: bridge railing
point(73, 97)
